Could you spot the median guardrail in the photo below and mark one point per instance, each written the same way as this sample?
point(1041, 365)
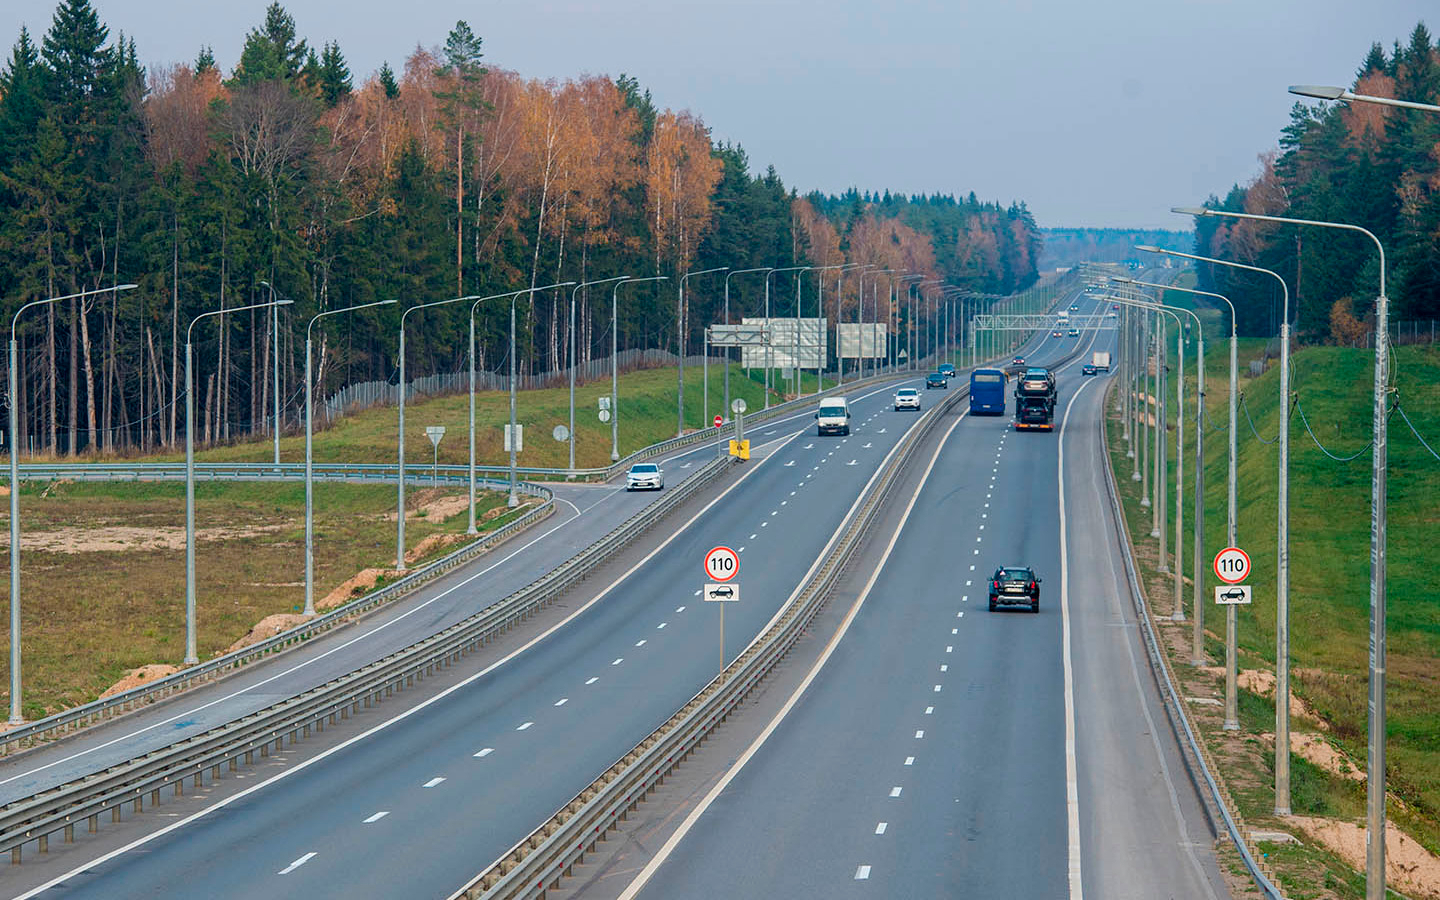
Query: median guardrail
point(35, 818)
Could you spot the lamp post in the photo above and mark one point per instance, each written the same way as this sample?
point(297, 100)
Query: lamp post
point(275, 369)
point(908, 280)
point(1232, 717)
point(1282, 538)
point(839, 300)
point(728, 276)
point(769, 355)
point(1375, 757)
point(191, 656)
point(820, 314)
point(12, 401)
point(862, 315)
point(310, 458)
point(514, 499)
point(1197, 647)
point(1328, 92)
point(400, 481)
point(680, 346)
point(795, 351)
point(615, 362)
point(571, 341)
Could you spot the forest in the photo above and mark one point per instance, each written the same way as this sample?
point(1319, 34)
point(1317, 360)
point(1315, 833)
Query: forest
point(1357, 163)
point(290, 179)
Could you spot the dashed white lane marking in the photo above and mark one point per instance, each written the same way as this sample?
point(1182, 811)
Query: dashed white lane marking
point(880, 828)
point(949, 648)
point(977, 552)
point(909, 760)
point(376, 817)
point(592, 679)
point(964, 598)
point(297, 864)
point(661, 625)
point(764, 524)
point(484, 753)
point(937, 688)
point(562, 701)
point(862, 873)
point(679, 609)
point(954, 631)
point(792, 493)
point(697, 593)
point(972, 568)
point(617, 660)
point(929, 710)
point(640, 643)
point(944, 668)
point(525, 726)
point(784, 502)
point(752, 537)
point(434, 781)
point(982, 528)
point(742, 549)
point(895, 791)
point(774, 512)
point(919, 735)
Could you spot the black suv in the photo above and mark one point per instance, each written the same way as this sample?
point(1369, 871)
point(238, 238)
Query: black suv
point(1015, 586)
point(936, 380)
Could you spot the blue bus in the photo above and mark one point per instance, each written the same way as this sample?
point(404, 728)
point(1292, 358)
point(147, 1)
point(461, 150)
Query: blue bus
point(987, 392)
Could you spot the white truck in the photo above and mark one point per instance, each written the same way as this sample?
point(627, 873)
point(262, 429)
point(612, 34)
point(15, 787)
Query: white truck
point(1100, 359)
point(833, 416)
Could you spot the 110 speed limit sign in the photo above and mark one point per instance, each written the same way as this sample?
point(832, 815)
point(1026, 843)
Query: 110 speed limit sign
point(722, 564)
point(1232, 565)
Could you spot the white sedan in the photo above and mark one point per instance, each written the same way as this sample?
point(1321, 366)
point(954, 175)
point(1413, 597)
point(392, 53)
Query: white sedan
point(907, 398)
point(646, 476)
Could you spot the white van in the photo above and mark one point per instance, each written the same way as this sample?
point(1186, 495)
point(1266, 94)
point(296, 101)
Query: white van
point(833, 417)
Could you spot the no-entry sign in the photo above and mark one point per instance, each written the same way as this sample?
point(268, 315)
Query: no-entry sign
point(719, 420)
point(722, 564)
point(1232, 565)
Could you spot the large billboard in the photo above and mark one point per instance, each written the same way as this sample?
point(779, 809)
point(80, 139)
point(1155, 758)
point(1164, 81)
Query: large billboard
point(783, 351)
point(856, 341)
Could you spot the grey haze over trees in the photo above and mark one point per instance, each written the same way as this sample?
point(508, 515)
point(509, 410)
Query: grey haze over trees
point(438, 177)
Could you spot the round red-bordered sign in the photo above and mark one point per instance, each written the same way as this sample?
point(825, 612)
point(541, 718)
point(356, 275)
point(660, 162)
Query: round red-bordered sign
point(719, 420)
point(722, 564)
point(1232, 565)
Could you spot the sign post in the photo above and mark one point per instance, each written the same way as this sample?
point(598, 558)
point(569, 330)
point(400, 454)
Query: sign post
point(1232, 566)
point(435, 432)
point(721, 565)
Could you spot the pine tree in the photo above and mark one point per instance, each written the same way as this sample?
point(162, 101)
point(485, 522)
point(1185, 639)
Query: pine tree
point(387, 81)
point(205, 60)
point(271, 52)
point(334, 75)
point(22, 99)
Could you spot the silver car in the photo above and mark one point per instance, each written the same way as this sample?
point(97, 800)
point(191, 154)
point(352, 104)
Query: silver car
point(907, 398)
point(644, 476)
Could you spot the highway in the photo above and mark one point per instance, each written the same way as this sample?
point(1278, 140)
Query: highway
point(929, 757)
point(450, 783)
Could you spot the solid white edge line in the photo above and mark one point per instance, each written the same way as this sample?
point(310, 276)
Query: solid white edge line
point(638, 884)
point(405, 714)
point(1072, 777)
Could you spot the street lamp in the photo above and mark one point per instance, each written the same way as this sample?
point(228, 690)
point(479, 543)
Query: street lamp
point(275, 369)
point(839, 299)
point(680, 347)
point(400, 481)
point(769, 354)
point(572, 365)
point(876, 321)
point(909, 281)
point(1375, 759)
point(727, 322)
point(819, 314)
point(795, 352)
point(1282, 538)
point(615, 361)
point(310, 459)
point(514, 499)
point(12, 401)
point(191, 657)
point(1327, 92)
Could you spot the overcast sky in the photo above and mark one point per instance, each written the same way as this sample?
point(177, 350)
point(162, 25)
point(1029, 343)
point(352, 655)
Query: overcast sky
point(1101, 113)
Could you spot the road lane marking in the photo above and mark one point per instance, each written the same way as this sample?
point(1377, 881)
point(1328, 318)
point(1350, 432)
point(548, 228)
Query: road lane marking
point(862, 873)
point(484, 753)
point(617, 661)
point(592, 679)
point(434, 781)
point(525, 726)
point(895, 791)
point(562, 701)
point(909, 760)
point(375, 818)
point(640, 643)
point(929, 710)
point(880, 828)
point(937, 688)
point(944, 668)
point(661, 625)
point(919, 735)
point(949, 648)
point(297, 863)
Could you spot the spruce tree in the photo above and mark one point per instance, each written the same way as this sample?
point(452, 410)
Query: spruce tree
point(334, 75)
point(387, 81)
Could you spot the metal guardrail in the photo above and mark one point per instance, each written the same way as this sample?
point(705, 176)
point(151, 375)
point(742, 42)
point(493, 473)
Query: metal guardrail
point(35, 818)
point(86, 714)
point(540, 860)
point(1196, 757)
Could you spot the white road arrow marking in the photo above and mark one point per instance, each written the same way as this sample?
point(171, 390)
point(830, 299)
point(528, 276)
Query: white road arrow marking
point(852, 463)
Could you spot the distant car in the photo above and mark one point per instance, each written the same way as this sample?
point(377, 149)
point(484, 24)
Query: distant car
point(1087, 369)
point(1074, 306)
point(907, 398)
point(645, 476)
point(1111, 315)
point(1018, 361)
point(1015, 586)
point(1114, 306)
point(1057, 333)
point(947, 370)
point(1074, 332)
point(935, 379)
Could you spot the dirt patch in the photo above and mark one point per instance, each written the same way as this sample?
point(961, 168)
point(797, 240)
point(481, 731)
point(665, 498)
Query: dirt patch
point(431, 544)
point(119, 538)
point(267, 627)
point(137, 677)
point(1261, 682)
point(363, 581)
point(1409, 867)
point(1322, 753)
